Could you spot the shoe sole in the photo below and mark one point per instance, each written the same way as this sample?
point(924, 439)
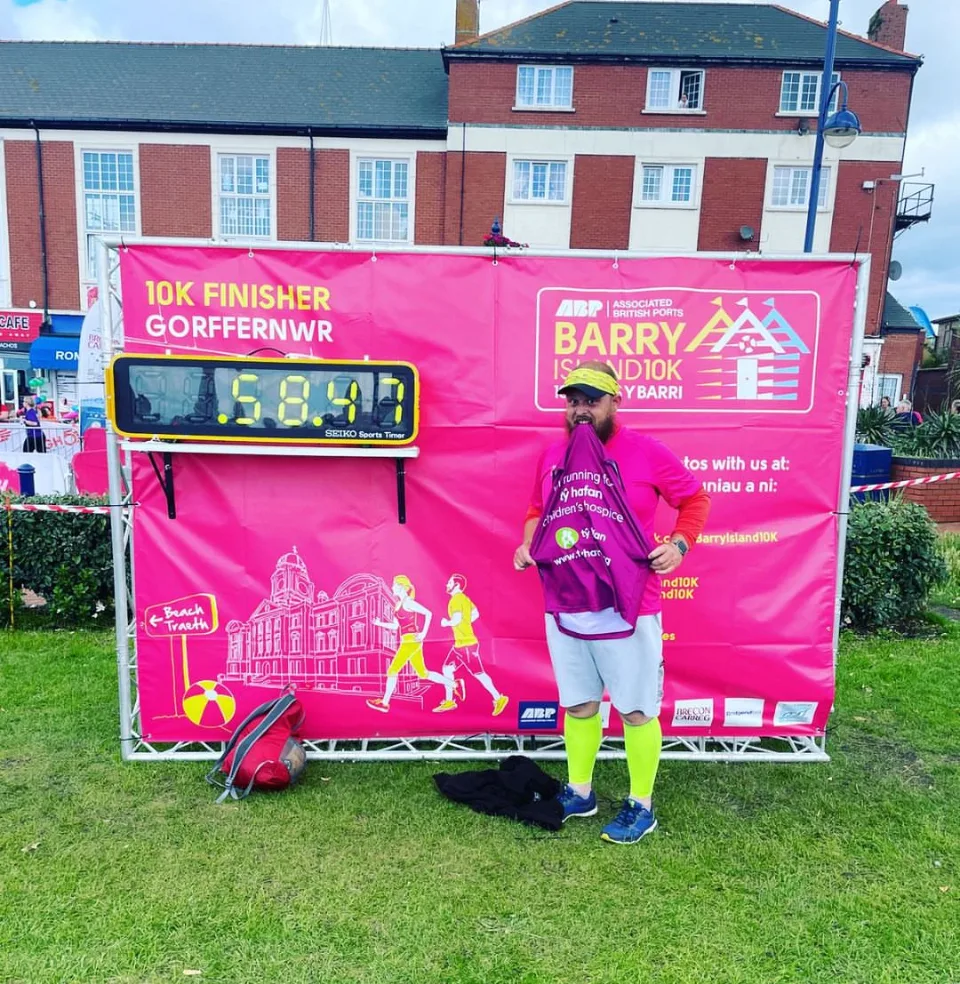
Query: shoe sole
point(377, 707)
point(589, 813)
point(607, 839)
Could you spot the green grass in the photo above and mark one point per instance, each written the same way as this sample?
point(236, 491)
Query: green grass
point(948, 595)
point(129, 874)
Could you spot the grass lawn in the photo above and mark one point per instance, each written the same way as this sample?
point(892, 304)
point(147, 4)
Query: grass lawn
point(846, 872)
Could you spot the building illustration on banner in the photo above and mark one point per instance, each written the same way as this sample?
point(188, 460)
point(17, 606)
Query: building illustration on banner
point(303, 636)
point(766, 355)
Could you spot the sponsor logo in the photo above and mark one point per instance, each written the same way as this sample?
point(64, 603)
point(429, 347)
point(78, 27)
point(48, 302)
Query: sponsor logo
point(693, 713)
point(742, 712)
point(578, 308)
point(537, 715)
point(567, 538)
point(795, 712)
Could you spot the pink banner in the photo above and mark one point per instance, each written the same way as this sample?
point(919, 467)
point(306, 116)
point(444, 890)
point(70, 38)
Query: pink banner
point(294, 565)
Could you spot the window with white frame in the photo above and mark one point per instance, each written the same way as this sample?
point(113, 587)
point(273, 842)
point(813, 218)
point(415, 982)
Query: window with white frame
point(244, 193)
point(109, 200)
point(800, 93)
point(383, 200)
point(888, 385)
point(539, 181)
point(791, 187)
point(667, 185)
point(674, 89)
point(544, 87)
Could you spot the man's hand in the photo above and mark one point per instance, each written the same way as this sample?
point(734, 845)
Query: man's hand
point(445, 623)
point(665, 558)
point(522, 559)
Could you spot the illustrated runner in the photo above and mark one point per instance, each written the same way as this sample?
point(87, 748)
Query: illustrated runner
point(412, 620)
point(465, 652)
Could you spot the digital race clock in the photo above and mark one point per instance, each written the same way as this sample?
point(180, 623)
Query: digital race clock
point(223, 398)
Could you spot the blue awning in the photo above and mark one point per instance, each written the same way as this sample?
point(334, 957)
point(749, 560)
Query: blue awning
point(55, 353)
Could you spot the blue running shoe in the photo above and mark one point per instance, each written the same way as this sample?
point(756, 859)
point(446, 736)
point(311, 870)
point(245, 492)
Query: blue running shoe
point(631, 824)
point(576, 806)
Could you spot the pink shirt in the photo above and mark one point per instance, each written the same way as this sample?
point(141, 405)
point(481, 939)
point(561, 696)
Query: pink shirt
point(650, 471)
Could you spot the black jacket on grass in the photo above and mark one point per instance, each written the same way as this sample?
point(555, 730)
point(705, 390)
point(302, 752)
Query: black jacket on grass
point(519, 789)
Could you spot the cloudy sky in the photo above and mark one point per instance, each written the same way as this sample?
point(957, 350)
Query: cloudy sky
point(930, 261)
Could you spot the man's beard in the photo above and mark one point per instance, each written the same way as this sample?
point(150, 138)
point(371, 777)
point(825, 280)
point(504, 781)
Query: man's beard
point(603, 429)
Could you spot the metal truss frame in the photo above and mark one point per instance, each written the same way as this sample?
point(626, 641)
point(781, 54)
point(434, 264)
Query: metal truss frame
point(478, 747)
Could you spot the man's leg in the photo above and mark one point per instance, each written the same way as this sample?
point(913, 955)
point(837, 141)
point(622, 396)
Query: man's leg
point(581, 690)
point(582, 734)
point(633, 672)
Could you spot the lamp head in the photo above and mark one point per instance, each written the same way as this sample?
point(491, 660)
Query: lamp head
point(841, 129)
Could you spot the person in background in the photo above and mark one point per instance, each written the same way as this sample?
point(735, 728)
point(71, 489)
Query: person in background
point(34, 441)
point(885, 403)
point(907, 415)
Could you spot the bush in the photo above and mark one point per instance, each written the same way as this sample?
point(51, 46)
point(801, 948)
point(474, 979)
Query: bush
point(875, 426)
point(937, 437)
point(65, 558)
point(892, 564)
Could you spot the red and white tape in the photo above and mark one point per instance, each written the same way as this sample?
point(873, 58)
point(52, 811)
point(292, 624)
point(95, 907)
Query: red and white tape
point(926, 480)
point(30, 507)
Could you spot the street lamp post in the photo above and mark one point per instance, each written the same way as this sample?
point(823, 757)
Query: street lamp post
point(840, 130)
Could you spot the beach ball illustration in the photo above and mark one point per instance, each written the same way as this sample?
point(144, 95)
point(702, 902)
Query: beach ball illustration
point(209, 704)
point(748, 343)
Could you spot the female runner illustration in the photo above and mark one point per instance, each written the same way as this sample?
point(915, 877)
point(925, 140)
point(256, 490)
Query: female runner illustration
point(413, 622)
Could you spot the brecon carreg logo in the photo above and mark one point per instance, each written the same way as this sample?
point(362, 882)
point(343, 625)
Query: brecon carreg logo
point(696, 713)
point(537, 715)
point(795, 712)
point(742, 712)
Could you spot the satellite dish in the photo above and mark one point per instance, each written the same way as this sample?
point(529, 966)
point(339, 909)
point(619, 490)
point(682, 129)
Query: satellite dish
point(896, 270)
point(746, 233)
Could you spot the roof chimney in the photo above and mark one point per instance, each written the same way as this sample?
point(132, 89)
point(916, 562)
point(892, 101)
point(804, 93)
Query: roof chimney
point(468, 20)
point(888, 26)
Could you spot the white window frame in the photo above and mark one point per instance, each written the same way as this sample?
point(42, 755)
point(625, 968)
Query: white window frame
point(535, 161)
point(356, 157)
point(551, 107)
point(669, 168)
point(676, 75)
point(834, 102)
point(217, 154)
point(6, 287)
point(883, 380)
point(101, 147)
point(826, 187)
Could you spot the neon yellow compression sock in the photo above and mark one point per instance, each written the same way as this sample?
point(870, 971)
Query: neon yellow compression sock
point(582, 737)
point(642, 745)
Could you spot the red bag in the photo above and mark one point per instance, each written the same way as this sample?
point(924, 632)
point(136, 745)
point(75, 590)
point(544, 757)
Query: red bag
point(263, 753)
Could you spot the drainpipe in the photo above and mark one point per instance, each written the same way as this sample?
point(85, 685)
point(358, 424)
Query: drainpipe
point(463, 169)
point(43, 229)
point(313, 183)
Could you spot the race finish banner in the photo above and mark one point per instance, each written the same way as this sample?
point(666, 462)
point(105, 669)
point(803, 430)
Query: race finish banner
point(295, 570)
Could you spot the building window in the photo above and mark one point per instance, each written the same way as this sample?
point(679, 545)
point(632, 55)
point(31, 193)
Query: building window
point(800, 93)
point(667, 185)
point(539, 181)
point(544, 88)
point(888, 385)
point(109, 199)
point(383, 201)
point(245, 202)
point(674, 90)
point(791, 187)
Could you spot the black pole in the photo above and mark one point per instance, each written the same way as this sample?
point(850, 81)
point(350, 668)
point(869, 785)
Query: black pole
point(43, 228)
point(313, 183)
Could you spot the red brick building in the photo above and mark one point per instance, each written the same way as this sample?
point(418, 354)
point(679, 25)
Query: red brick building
point(655, 126)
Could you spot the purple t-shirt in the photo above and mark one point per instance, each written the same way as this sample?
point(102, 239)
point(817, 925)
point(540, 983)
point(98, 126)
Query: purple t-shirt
point(650, 471)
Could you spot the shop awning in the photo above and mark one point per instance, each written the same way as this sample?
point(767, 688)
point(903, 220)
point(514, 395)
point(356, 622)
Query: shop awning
point(49, 352)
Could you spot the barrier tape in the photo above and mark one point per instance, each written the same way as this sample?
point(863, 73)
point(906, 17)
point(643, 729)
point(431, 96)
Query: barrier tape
point(84, 510)
point(926, 480)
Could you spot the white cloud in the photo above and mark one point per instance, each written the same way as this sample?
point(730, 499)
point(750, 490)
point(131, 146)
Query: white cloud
point(55, 20)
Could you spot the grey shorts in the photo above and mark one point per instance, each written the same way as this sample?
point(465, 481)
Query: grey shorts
point(630, 669)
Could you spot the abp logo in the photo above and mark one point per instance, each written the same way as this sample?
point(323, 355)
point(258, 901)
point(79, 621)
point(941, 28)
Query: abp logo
point(538, 715)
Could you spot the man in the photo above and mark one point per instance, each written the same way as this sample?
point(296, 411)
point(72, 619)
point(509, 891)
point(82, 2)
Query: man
point(465, 652)
point(630, 669)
